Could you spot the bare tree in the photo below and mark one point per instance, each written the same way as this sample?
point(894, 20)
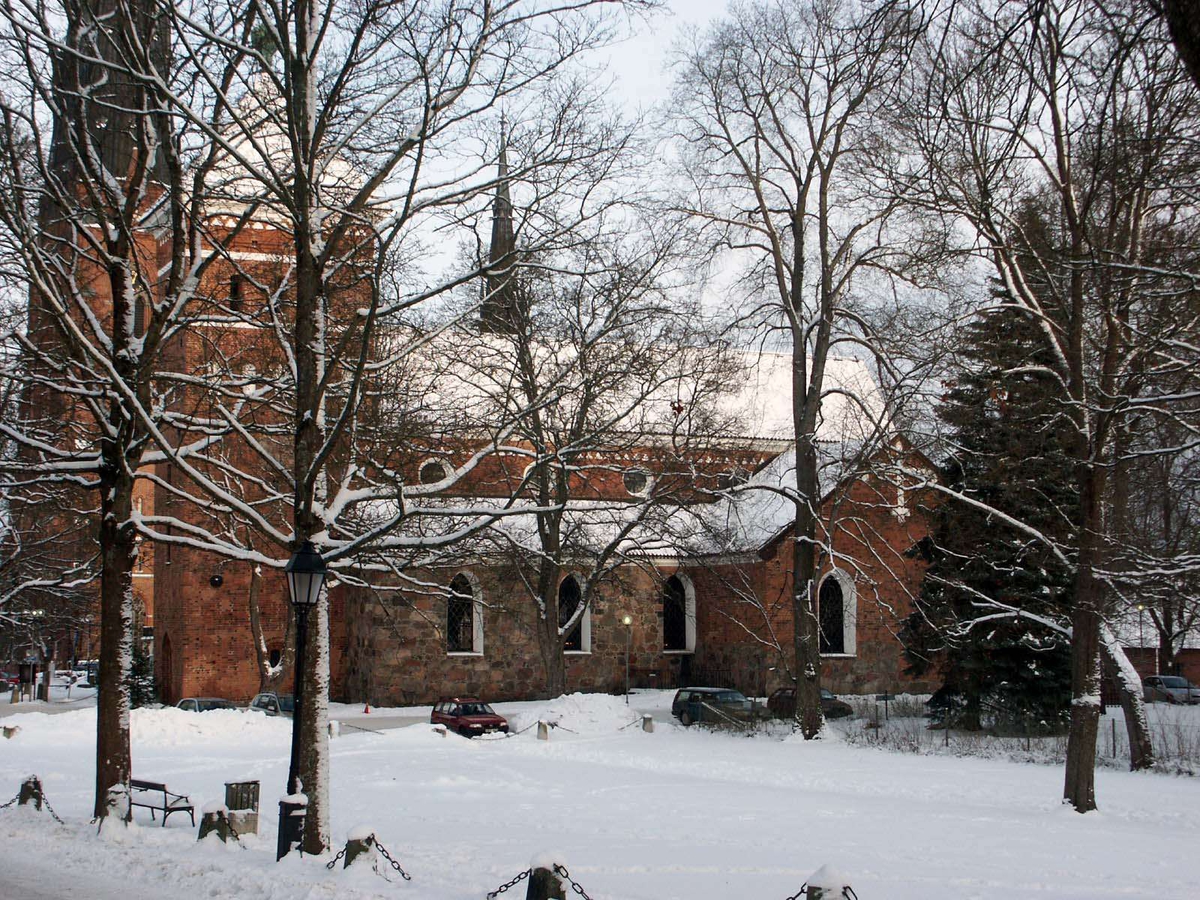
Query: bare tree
point(778, 110)
point(1053, 133)
point(356, 133)
point(95, 170)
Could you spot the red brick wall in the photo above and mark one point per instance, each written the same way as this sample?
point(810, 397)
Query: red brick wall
point(751, 610)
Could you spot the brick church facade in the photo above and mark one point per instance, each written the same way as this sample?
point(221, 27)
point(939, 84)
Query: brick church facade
point(699, 609)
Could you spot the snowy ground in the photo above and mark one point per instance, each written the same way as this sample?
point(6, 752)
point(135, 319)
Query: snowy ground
point(673, 814)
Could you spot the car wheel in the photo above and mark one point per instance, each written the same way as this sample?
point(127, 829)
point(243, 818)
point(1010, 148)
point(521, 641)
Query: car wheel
point(685, 718)
point(465, 732)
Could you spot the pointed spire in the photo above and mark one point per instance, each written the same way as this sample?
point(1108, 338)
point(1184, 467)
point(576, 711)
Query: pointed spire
point(498, 312)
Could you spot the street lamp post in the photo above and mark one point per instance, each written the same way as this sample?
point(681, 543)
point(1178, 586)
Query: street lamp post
point(627, 621)
point(305, 576)
point(1141, 607)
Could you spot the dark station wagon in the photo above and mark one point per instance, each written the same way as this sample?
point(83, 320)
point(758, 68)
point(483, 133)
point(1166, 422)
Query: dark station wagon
point(467, 716)
point(699, 704)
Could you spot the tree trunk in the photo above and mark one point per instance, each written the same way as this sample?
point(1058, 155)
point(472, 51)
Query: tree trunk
point(118, 553)
point(1079, 788)
point(1129, 689)
point(551, 649)
point(806, 643)
point(314, 729)
point(270, 678)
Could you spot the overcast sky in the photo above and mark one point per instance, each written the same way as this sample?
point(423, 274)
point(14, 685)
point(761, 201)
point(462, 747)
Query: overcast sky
point(638, 64)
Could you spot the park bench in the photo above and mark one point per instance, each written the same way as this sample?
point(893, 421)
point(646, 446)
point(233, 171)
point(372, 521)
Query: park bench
point(145, 794)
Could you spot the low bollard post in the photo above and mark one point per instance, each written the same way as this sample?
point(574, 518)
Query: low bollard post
point(828, 884)
point(543, 730)
point(360, 841)
point(544, 884)
point(31, 792)
point(648, 724)
point(292, 811)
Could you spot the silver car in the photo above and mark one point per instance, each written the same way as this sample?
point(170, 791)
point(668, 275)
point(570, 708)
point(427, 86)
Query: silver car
point(1170, 689)
point(273, 704)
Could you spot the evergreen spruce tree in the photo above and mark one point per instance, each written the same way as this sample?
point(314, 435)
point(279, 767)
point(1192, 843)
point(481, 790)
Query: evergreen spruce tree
point(1007, 431)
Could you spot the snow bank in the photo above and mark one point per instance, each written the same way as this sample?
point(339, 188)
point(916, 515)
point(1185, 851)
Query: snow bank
point(580, 714)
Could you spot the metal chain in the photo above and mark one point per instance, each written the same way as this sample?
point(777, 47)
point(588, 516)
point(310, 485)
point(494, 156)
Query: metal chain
point(800, 893)
point(333, 862)
point(395, 865)
point(50, 809)
point(575, 885)
point(45, 803)
point(504, 887)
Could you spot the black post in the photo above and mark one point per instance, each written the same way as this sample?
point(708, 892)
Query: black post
point(297, 698)
point(291, 815)
point(628, 643)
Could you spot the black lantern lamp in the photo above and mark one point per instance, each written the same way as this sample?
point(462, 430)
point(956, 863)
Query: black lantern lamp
point(305, 577)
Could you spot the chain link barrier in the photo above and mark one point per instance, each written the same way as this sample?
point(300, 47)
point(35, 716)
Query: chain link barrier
point(561, 872)
point(509, 884)
point(395, 865)
point(372, 840)
point(45, 803)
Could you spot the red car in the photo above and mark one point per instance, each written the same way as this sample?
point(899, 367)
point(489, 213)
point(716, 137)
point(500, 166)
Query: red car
point(467, 716)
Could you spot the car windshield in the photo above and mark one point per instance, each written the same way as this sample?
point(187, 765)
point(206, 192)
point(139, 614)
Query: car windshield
point(206, 705)
point(476, 709)
point(286, 702)
point(1174, 681)
point(730, 697)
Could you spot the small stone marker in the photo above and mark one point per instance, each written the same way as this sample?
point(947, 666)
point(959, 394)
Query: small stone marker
point(648, 724)
point(441, 729)
point(214, 819)
point(543, 730)
point(11, 731)
point(335, 728)
point(828, 884)
point(31, 792)
point(360, 841)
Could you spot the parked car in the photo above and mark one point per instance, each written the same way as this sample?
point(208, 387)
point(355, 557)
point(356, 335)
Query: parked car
point(692, 704)
point(204, 704)
point(467, 716)
point(9, 679)
point(1170, 689)
point(782, 704)
point(273, 704)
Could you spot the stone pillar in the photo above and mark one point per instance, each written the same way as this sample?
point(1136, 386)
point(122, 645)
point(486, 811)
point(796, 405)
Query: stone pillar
point(648, 724)
point(543, 730)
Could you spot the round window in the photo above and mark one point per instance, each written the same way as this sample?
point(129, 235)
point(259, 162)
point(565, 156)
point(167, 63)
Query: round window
point(637, 482)
point(433, 471)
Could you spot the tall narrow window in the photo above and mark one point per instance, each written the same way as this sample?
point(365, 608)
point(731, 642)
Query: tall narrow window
point(569, 600)
point(235, 294)
point(831, 608)
point(460, 617)
point(674, 615)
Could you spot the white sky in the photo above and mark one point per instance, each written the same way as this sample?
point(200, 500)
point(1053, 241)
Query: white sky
point(638, 64)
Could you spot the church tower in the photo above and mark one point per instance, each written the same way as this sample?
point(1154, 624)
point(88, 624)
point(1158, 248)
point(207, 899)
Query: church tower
point(500, 310)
